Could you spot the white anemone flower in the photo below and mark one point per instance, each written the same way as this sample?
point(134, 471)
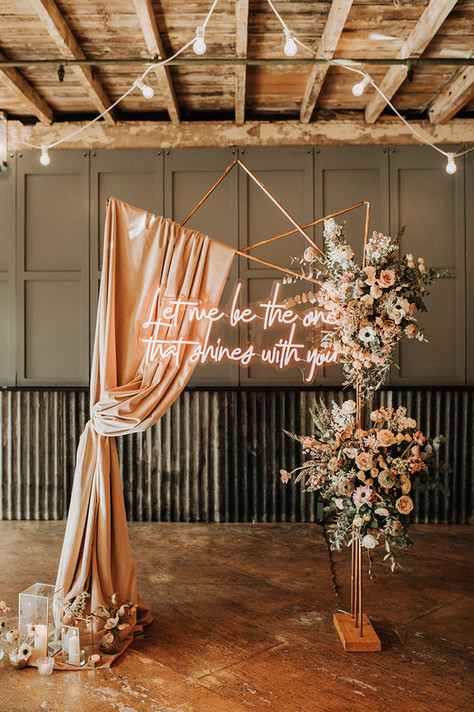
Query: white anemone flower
point(367, 334)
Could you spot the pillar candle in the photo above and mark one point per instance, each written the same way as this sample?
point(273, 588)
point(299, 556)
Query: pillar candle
point(41, 639)
point(74, 650)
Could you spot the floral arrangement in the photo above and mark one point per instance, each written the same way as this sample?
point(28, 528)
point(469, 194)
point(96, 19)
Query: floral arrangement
point(19, 650)
point(74, 609)
point(113, 614)
point(365, 475)
point(374, 305)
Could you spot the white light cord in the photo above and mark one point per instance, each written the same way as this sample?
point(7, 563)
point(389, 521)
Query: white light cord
point(336, 63)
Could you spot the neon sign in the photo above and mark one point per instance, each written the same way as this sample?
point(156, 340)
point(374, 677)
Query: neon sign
point(166, 332)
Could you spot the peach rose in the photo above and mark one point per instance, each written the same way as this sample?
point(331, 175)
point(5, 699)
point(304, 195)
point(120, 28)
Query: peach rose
point(406, 484)
point(387, 479)
point(364, 461)
point(385, 438)
point(387, 278)
point(404, 504)
point(411, 331)
point(370, 272)
point(310, 254)
point(375, 291)
point(367, 299)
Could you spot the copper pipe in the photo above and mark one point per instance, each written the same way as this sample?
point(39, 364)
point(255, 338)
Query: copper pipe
point(356, 581)
point(366, 231)
point(196, 207)
point(352, 573)
point(361, 624)
point(279, 205)
point(281, 269)
point(311, 224)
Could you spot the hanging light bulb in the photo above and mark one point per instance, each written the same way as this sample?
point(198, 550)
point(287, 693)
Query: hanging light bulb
point(290, 47)
point(358, 89)
point(148, 92)
point(199, 46)
point(451, 166)
point(45, 160)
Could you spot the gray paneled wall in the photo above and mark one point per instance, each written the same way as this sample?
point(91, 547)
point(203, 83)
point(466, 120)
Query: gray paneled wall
point(215, 456)
point(53, 218)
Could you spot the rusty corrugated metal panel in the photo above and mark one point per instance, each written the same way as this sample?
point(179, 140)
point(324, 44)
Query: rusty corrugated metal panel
point(215, 456)
point(40, 432)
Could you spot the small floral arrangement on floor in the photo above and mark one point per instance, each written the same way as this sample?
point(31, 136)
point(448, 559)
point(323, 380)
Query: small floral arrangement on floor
point(365, 475)
point(19, 650)
point(374, 306)
point(74, 609)
point(113, 614)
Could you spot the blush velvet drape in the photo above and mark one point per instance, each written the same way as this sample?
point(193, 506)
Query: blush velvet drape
point(149, 264)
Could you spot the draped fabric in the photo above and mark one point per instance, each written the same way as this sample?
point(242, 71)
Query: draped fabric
point(150, 264)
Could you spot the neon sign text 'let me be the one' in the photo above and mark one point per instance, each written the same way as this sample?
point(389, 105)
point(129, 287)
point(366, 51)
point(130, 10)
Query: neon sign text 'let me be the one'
point(282, 353)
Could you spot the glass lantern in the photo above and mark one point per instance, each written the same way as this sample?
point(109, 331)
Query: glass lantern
point(73, 644)
point(36, 608)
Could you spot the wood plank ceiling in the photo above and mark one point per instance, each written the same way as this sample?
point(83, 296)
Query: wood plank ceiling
point(32, 30)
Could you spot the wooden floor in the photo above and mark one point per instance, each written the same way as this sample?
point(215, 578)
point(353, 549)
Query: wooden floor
point(243, 623)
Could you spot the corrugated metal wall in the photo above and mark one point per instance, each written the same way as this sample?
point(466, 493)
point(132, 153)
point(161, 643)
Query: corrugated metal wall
point(215, 456)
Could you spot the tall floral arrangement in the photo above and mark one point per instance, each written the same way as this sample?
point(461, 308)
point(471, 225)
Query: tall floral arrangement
point(365, 476)
point(374, 305)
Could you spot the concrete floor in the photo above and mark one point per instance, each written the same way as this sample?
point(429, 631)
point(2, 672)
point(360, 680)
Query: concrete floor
point(243, 623)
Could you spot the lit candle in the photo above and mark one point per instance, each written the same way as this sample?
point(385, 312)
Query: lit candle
point(41, 639)
point(74, 650)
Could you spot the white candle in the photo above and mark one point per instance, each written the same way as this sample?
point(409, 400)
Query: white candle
point(74, 650)
point(41, 639)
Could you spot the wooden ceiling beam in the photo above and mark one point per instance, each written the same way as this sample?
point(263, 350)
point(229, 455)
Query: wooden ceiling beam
point(151, 34)
point(28, 96)
point(332, 31)
point(425, 29)
point(453, 97)
point(241, 41)
point(62, 35)
point(222, 134)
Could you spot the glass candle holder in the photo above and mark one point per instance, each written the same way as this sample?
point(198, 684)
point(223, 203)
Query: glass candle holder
point(45, 665)
point(73, 652)
point(36, 608)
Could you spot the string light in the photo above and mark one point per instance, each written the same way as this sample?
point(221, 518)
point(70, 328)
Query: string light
point(147, 91)
point(290, 47)
point(45, 160)
point(358, 89)
point(451, 164)
point(199, 46)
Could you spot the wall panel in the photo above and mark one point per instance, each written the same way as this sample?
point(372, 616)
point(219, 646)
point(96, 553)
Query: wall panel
point(53, 269)
point(288, 175)
point(7, 274)
point(189, 174)
point(429, 203)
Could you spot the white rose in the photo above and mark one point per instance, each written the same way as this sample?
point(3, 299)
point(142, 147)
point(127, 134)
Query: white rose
point(369, 542)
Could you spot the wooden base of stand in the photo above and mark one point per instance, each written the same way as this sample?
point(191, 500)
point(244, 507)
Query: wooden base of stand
point(351, 640)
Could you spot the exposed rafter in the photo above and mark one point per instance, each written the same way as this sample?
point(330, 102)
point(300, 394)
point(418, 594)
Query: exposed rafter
point(332, 31)
point(425, 29)
point(61, 34)
point(453, 97)
point(28, 96)
point(241, 38)
point(151, 34)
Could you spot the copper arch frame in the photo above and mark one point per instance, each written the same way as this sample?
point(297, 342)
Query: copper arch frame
point(356, 564)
